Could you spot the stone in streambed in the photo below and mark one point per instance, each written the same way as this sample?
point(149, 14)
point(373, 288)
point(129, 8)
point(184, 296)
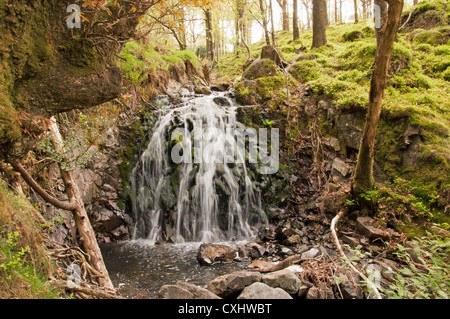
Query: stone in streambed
point(212, 253)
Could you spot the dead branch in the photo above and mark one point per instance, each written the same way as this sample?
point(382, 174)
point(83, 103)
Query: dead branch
point(341, 251)
point(38, 189)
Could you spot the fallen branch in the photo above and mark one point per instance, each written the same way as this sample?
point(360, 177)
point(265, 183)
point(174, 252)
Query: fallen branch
point(292, 63)
point(341, 251)
point(38, 189)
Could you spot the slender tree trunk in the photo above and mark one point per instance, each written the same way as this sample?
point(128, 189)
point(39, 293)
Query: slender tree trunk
point(335, 12)
point(209, 36)
point(380, 16)
point(264, 21)
point(355, 5)
point(306, 4)
point(272, 23)
point(319, 23)
point(295, 31)
point(284, 14)
point(363, 179)
point(84, 226)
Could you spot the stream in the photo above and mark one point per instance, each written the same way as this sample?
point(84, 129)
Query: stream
point(139, 269)
point(192, 184)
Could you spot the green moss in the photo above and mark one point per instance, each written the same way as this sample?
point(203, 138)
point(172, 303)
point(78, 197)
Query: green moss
point(306, 70)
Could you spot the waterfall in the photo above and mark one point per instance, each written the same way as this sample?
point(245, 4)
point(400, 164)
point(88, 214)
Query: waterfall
point(187, 185)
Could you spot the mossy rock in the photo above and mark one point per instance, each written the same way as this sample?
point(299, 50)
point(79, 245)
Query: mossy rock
point(260, 90)
point(260, 68)
point(352, 35)
point(431, 37)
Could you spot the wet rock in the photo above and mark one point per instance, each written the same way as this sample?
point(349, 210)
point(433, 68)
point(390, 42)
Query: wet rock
point(212, 253)
point(197, 292)
point(174, 292)
point(259, 290)
point(202, 90)
point(221, 101)
point(230, 285)
point(220, 87)
point(284, 279)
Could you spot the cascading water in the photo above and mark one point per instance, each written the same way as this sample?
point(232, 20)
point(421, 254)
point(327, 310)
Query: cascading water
point(202, 195)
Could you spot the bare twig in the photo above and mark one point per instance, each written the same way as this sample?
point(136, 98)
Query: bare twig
point(341, 251)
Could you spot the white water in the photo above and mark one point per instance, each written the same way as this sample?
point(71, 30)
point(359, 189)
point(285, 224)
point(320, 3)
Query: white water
point(195, 201)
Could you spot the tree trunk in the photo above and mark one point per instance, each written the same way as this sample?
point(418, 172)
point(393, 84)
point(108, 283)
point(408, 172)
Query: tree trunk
point(306, 4)
point(380, 16)
point(363, 180)
point(84, 226)
point(284, 14)
point(272, 24)
point(319, 23)
point(355, 5)
point(209, 37)
point(264, 21)
point(295, 31)
point(335, 12)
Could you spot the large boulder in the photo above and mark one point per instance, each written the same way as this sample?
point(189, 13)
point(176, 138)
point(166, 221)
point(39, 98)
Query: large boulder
point(174, 292)
point(284, 279)
point(197, 292)
point(231, 285)
point(212, 253)
point(259, 290)
point(260, 68)
point(271, 53)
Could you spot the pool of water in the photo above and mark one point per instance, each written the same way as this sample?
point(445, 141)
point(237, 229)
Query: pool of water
point(139, 269)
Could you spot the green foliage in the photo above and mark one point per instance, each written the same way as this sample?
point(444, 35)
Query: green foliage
point(15, 269)
point(429, 279)
point(139, 58)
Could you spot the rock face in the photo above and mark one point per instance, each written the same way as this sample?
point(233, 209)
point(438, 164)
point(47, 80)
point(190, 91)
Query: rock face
point(230, 285)
point(212, 253)
point(259, 290)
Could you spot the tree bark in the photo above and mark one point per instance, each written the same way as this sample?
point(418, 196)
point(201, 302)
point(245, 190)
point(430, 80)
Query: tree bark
point(355, 5)
point(319, 23)
point(295, 31)
point(209, 36)
point(363, 179)
point(264, 21)
point(335, 12)
point(272, 23)
point(380, 16)
point(84, 226)
point(284, 14)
